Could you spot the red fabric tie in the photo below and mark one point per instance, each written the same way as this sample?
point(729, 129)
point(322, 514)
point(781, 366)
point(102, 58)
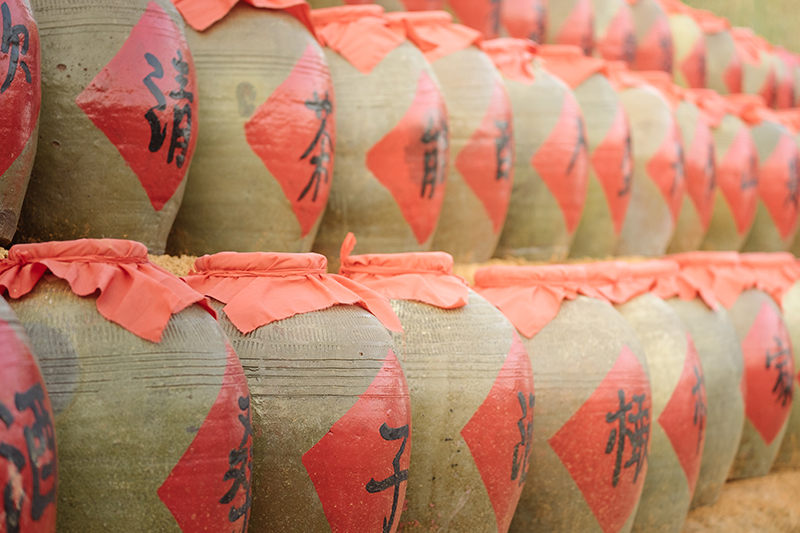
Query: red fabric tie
point(200, 14)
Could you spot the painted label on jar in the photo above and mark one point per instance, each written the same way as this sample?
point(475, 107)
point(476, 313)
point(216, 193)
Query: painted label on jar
point(737, 177)
point(20, 84)
point(487, 161)
point(605, 444)
point(733, 75)
point(209, 488)
point(294, 134)
point(684, 417)
point(768, 372)
point(613, 165)
point(411, 160)
point(700, 167)
point(525, 19)
point(482, 15)
point(578, 27)
point(500, 434)
point(666, 171)
point(360, 467)
point(145, 102)
point(562, 162)
point(655, 50)
point(693, 66)
point(28, 471)
point(779, 185)
point(619, 41)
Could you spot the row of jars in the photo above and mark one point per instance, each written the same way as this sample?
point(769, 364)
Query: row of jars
point(581, 397)
point(444, 142)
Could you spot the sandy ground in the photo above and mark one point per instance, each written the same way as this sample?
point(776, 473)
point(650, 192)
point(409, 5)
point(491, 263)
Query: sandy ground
point(764, 505)
point(180, 266)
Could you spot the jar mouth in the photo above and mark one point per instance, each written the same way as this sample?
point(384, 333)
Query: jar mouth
point(776, 259)
point(261, 264)
point(529, 276)
point(440, 263)
point(439, 17)
point(329, 15)
point(711, 259)
point(81, 251)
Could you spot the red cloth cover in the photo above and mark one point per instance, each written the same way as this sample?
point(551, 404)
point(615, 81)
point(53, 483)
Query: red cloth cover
point(200, 14)
point(663, 82)
point(425, 277)
point(134, 293)
point(619, 282)
point(714, 106)
point(774, 273)
point(709, 22)
point(715, 277)
point(513, 58)
point(622, 77)
point(433, 32)
point(751, 108)
point(260, 288)
point(570, 64)
point(358, 33)
point(790, 118)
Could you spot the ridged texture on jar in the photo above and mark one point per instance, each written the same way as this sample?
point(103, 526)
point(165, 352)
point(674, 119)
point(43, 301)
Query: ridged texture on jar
point(145, 430)
point(721, 357)
point(789, 453)
point(27, 434)
point(737, 183)
point(466, 370)
point(768, 381)
point(679, 413)
point(481, 161)
point(699, 166)
point(654, 47)
point(571, 22)
point(778, 212)
point(551, 169)
point(20, 101)
point(610, 170)
point(657, 187)
point(263, 168)
point(525, 19)
point(689, 43)
point(614, 31)
point(306, 375)
point(116, 78)
point(398, 102)
point(581, 360)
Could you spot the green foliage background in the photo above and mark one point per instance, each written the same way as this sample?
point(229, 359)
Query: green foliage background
point(777, 20)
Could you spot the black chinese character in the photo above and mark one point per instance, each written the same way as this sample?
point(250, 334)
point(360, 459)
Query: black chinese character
point(699, 390)
point(750, 174)
point(580, 146)
point(782, 357)
point(399, 476)
point(12, 35)
point(240, 468)
point(519, 464)
point(792, 185)
point(677, 166)
point(627, 168)
point(181, 110)
point(503, 151)
point(537, 34)
point(494, 18)
point(639, 437)
point(711, 169)
point(435, 156)
point(629, 48)
point(665, 42)
point(40, 446)
point(322, 109)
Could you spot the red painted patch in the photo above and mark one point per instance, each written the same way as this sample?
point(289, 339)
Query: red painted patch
point(20, 80)
point(666, 171)
point(700, 168)
point(487, 161)
point(596, 451)
point(737, 178)
point(28, 471)
point(578, 28)
point(145, 102)
point(482, 15)
point(619, 42)
point(684, 416)
point(562, 161)
point(294, 134)
point(768, 370)
point(733, 76)
point(525, 19)
point(360, 466)
point(209, 488)
point(769, 90)
point(778, 185)
point(693, 66)
point(614, 168)
point(411, 160)
point(655, 50)
point(500, 434)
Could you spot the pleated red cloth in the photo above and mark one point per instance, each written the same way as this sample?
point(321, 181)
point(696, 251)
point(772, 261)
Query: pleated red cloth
point(134, 293)
point(434, 32)
point(512, 57)
point(774, 273)
point(201, 14)
point(715, 277)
